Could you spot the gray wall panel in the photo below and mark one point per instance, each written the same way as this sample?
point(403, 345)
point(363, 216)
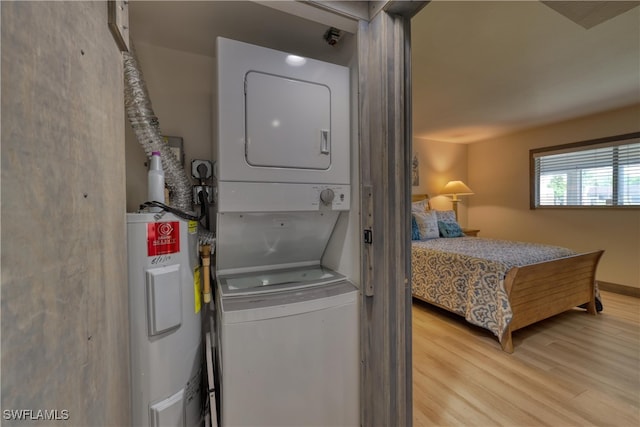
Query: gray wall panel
point(64, 283)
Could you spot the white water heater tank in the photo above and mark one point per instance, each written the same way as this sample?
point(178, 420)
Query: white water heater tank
point(164, 320)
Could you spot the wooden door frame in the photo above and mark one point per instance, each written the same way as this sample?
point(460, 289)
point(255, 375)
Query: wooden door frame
point(384, 61)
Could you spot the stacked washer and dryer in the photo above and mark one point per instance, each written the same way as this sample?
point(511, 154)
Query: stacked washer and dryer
point(287, 339)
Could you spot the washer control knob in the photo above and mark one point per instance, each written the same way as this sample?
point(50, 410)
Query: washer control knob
point(326, 196)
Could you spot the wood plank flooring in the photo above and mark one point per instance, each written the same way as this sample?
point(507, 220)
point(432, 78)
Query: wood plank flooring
point(571, 370)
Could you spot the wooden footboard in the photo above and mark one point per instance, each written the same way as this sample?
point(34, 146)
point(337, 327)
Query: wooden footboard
point(542, 290)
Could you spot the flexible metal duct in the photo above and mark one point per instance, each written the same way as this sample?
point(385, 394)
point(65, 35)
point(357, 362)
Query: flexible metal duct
point(147, 129)
point(146, 126)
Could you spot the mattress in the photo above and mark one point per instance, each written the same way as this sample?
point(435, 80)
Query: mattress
point(466, 275)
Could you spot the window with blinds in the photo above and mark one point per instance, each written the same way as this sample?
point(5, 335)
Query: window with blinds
point(601, 172)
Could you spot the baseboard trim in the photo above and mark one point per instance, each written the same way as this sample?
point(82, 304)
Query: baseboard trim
point(619, 289)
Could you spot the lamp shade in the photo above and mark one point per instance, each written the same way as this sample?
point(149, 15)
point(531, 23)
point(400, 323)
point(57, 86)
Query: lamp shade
point(456, 188)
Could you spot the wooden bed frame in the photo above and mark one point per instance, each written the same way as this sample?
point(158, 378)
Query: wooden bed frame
point(542, 290)
point(539, 291)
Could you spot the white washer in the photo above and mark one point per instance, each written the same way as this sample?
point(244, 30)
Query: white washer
point(288, 348)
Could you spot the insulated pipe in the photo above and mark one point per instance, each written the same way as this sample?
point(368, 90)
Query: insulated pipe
point(205, 254)
point(147, 129)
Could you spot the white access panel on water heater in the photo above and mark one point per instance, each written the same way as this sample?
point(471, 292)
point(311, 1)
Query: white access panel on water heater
point(281, 120)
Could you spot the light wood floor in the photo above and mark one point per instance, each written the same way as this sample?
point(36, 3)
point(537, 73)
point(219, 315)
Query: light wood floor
point(571, 370)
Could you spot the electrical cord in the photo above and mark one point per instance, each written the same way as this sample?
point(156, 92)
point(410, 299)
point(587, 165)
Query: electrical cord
point(175, 211)
point(204, 209)
point(204, 235)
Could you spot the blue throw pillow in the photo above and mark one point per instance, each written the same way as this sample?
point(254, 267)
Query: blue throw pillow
point(415, 231)
point(450, 229)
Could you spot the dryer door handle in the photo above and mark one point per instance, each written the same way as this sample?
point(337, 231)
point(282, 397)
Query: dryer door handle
point(324, 141)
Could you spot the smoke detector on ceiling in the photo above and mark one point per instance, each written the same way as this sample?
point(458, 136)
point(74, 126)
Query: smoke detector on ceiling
point(332, 36)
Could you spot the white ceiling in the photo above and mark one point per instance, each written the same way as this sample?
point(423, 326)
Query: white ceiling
point(193, 26)
point(480, 69)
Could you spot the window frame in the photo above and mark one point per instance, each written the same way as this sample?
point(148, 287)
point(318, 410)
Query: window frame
point(574, 146)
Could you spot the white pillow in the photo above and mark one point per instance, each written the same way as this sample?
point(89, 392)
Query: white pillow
point(427, 224)
point(420, 206)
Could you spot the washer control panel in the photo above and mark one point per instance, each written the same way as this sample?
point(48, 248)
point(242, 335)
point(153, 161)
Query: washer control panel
point(282, 197)
point(335, 197)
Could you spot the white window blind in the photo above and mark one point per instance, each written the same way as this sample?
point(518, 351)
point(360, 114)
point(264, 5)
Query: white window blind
point(603, 172)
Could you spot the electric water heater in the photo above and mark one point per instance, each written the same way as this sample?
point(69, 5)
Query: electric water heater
point(164, 319)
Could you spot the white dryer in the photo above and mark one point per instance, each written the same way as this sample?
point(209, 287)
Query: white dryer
point(281, 118)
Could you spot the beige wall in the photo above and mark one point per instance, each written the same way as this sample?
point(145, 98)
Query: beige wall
point(439, 163)
point(180, 87)
point(498, 172)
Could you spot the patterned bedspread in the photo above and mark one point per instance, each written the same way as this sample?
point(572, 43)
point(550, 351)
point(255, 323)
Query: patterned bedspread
point(466, 275)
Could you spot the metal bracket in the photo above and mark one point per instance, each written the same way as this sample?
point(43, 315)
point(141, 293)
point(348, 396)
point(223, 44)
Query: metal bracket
point(367, 248)
point(368, 236)
point(158, 216)
point(118, 22)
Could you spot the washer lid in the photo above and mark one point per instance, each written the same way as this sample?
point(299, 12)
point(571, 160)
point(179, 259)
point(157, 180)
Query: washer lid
point(276, 280)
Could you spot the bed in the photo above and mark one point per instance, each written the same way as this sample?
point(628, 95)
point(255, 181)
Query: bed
point(501, 285)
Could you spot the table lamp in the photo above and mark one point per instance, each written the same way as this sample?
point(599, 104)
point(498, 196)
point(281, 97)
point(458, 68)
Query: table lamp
point(455, 189)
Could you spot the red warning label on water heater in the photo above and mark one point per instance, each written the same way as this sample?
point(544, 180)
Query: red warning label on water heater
point(163, 238)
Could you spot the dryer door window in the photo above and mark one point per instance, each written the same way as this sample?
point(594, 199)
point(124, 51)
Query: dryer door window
point(287, 122)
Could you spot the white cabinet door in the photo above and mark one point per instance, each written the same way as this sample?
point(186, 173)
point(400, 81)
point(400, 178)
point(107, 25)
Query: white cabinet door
point(288, 122)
